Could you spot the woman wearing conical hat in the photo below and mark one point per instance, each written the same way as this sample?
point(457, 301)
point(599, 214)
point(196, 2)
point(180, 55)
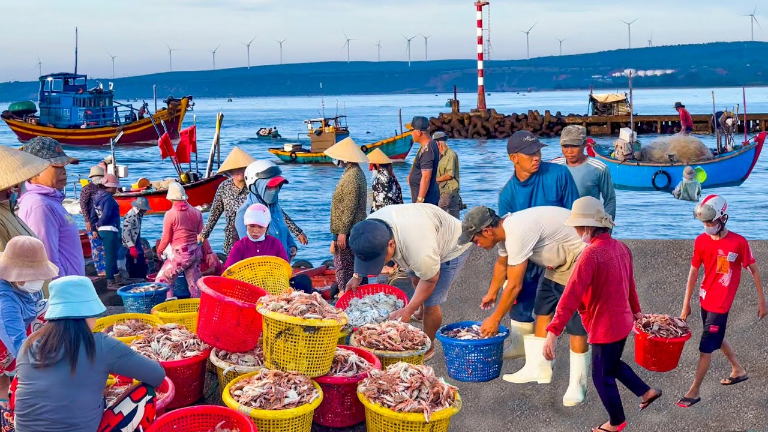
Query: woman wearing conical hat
point(385, 187)
point(15, 167)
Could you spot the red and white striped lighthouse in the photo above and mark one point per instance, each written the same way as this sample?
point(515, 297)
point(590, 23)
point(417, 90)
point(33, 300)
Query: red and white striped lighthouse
point(480, 51)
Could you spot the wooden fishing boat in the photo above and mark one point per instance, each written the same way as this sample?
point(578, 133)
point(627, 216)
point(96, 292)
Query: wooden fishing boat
point(200, 194)
point(268, 134)
point(730, 168)
point(396, 148)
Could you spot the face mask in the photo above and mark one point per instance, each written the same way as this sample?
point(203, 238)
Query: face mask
point(270, 195)
point(712, 230)
point(256, 240)
point(31, 287)
point(586, 237)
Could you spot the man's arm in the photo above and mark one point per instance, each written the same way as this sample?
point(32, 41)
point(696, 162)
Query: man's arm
point(497, 281)
point(515, 275)
point(693, 274)
point(426, 176)
point(424, 289)
point(608, 192)
point(761, 311)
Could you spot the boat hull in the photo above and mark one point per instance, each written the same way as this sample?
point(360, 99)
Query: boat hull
point(200, 195)
point(396, 148)
point(730, 169)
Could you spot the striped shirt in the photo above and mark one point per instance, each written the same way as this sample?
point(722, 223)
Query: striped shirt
point(593, 179)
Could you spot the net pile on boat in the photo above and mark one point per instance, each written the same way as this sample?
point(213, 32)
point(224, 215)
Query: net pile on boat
point(683, 148)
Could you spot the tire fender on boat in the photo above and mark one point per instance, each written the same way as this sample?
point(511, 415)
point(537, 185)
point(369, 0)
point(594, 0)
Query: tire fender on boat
point(293, 156)
point(364, 149)
point(665, 186)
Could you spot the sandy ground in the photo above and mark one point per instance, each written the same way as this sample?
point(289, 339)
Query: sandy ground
point(661, 268)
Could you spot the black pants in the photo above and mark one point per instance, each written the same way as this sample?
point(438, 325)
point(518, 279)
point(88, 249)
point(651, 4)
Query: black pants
point(607, 367)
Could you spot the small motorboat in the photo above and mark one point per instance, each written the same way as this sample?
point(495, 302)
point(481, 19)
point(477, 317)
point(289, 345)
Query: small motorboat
point(396, 148)
point(268, 133)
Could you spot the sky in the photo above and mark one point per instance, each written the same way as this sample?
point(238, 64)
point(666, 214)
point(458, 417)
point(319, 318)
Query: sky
point(139, 32)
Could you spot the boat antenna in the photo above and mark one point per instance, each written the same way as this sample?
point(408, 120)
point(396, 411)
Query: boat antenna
point(322, 100)
point(75, 50)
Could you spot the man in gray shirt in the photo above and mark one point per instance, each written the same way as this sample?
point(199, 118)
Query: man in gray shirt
point(591, 175)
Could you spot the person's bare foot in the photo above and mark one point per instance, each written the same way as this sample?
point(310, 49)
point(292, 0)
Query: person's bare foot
point(419, 314)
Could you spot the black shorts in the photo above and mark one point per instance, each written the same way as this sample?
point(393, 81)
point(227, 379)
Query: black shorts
point(547, 297)
point(714, 331)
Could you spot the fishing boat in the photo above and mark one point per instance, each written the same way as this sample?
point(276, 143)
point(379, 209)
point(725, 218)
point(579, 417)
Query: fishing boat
point(729, 168)
point(396, 148)
point(74, 114)
point(200, 193)
point(268, 133)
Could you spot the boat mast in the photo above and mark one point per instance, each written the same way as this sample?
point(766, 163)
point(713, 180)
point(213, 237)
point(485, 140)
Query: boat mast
point(75, 50)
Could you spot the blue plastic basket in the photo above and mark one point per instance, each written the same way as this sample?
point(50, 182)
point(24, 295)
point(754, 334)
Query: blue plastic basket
point(473, 360)
point(142, 302)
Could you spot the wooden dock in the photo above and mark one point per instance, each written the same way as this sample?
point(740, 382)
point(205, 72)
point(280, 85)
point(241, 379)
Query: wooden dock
point(659, 124)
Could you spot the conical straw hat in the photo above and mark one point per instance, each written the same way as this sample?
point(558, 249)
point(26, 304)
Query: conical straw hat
point(378, 157)
point(348, 151)
point(235, 160)
point(17, 166)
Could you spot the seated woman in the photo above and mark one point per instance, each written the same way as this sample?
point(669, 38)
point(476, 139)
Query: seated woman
point(63, 368)
point(257, 242)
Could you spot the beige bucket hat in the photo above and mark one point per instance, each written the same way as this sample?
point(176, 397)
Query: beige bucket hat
point(25, 260)
point(347, 150)
point(17, 166)
point(96, 171)
point(589, 211)
point(378, 157)
point(176, 192)
point(236, 159)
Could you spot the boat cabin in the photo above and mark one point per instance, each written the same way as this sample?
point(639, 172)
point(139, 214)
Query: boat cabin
point(608, 104)
point(325, 132)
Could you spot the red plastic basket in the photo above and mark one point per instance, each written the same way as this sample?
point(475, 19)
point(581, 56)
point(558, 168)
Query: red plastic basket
point(228, 318)
point(188, 377)
point(658, 354)
point(203, 418)
point(366, 290)
point(341, 407)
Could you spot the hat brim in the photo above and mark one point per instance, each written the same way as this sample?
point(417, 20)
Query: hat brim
point(114, 185)
point(75, 310)
point(465, 237)
point(141, 207)
point(585, 222)
point(572, 142)
point(371, 267)
point(16, 273)
point(64, 160)
point(276, 181)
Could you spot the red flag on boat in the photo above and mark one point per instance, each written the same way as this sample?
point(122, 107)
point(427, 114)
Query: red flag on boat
point(187, 145)
point(166, 146)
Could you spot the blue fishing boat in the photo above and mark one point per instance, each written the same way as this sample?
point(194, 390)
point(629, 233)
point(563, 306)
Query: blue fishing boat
point(396, 148)
point(730, 168)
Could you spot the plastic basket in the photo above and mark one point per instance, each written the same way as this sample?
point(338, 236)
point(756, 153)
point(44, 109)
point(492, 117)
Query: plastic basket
point(183, 312)
point(272, 274)
point(188, 377)
point(341, 407)
point(301, 345)
point(142, 302)
point(473, 360)
point(344, 335)
point(107, 321)
point(658, 354)
point(166, 390)
point(388, 358)
point(381, 419)
point(366, 290)
point(298, 419)
point(228, 318)
point(203, 418)
point(226, 372)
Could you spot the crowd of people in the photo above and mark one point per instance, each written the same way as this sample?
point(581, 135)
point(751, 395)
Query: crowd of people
point(558, 266)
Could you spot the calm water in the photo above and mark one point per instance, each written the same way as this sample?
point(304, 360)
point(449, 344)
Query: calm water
point(485, 167)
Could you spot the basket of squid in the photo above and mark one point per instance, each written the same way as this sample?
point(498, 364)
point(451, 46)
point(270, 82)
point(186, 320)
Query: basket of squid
point(392, 342)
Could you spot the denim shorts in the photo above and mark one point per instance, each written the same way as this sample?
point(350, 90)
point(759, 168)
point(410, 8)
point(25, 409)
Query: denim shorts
point(449, 271)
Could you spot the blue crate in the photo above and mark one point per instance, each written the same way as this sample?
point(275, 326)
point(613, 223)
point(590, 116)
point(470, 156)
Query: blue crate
point(142, 302)
point(473, 360)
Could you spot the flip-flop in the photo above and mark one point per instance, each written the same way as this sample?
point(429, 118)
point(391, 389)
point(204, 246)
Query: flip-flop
point(734, 380)
point(646, 404)
point(690, 401)
point(619, 428)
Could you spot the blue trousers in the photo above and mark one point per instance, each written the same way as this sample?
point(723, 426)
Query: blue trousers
point(111, 240)
point(607, 367)
point(522, 310)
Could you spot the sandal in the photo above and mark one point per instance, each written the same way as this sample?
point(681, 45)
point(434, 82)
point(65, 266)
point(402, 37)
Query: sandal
point(619, 428)
point(687, 402)
point(731, 380)
point(646, 404)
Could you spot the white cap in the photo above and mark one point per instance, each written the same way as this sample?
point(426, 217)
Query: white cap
point(257, 214)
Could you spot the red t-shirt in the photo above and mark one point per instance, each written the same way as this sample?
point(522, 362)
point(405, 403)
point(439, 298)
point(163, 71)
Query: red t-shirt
point(685, 119)
point(722, 260)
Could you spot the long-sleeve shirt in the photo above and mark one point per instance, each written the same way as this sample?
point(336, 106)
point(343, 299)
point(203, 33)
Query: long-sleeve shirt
point(602, 289)
point(86, 197)
point(688, 190)
point(105, 213)
point(11, 226)
point(19, 310)
point(181, 226)
point(246, 248)
point(349, 200)
point(593, 179)
point(551, 185)
point(386, 190)
point(685, 119)
point(132, 227)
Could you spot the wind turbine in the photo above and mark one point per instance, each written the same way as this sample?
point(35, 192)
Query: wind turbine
point(248, 49)
point(378, 45)
point(650, 39)
point(408, 47)
point(170, 57)
point(214, 56)
point(113, 64)
point(39, 66)
point(527, 44)
point(281, 49)
point(752, 21)
point(629, 30)
point(426, 47)
point(346, 45)
point(561, 44)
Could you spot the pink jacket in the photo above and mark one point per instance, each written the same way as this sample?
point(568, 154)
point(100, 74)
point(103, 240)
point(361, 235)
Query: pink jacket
point(181, 226)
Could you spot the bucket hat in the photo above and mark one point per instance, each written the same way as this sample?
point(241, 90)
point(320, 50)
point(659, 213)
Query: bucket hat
point(236, 159)
point(73, 297)
point(679, 105)
point(24, 259)
point(96, 171)
point(378, 157)
point(176, 192)
point(440, 136)
point(110, 180)
point(141, 203)
point(589, 211)
point(18, 166)
point(689, 173)
point(257, 214)
point(348, 151)
point(50, 150)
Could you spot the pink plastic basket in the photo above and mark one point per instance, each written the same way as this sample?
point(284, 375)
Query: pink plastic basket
point(228, 318)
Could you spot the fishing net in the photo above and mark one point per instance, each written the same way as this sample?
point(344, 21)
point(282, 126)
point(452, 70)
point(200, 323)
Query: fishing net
point(683, 149)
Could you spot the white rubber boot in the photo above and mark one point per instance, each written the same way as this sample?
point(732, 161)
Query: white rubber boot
point(577, 386)
point(537, 368)
point(517, 331)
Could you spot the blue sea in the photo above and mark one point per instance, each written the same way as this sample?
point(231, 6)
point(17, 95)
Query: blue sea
point(485, 167)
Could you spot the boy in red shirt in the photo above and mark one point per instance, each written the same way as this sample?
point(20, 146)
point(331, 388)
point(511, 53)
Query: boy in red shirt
point(723, 254)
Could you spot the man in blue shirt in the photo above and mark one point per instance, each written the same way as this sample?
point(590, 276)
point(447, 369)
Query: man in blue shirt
point(533, 184)
point(423, 175)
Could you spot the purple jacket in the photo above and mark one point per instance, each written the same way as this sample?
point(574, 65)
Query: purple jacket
point(245, 248)
point(40, 208)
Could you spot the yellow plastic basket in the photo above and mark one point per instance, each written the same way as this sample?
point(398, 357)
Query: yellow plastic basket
point(226, 372)
point(302, 345)
point(183, 312)
point(107, 321)
point(391, 357)
point(381, 419)
point(298, 419)
point(344, 335)
point(269, 273)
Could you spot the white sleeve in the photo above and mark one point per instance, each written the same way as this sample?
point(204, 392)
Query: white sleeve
point(519, 246)
point(502, 249)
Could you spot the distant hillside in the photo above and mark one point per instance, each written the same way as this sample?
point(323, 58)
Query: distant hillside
point(708, 65)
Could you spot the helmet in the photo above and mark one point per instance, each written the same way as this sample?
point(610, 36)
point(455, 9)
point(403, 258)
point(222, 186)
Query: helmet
point(711, 208)
point(260, 169)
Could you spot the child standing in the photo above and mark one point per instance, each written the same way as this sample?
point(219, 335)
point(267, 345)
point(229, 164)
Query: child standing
point(689, 189)
point(723, 254)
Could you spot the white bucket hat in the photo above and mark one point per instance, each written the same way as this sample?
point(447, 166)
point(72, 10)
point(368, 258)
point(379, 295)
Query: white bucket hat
point(176, 192)
point(589, 212)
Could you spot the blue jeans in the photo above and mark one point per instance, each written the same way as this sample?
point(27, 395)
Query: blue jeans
point(522, 310)
point(111, 241)
point(449, 271)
